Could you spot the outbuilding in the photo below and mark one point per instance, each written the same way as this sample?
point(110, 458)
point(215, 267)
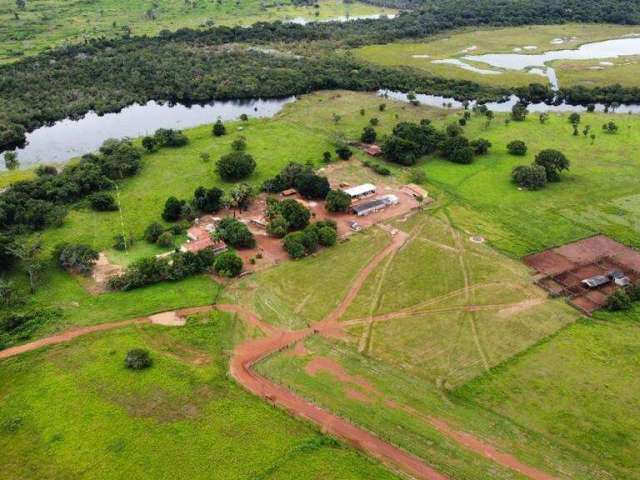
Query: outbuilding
point(360, 191)
point(596, 281)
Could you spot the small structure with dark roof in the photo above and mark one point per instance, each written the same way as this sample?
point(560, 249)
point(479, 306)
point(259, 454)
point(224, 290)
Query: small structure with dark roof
point(596, 281)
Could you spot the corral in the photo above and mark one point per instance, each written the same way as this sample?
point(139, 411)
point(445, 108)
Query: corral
point(565, 270)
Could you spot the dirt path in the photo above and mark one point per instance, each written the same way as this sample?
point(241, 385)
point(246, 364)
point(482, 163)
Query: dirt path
point(81, 331)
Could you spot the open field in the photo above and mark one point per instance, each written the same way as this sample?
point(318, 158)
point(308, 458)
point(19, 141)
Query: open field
point(50, 23)
point(75, 408)
point(481, 41)
point(577, 388)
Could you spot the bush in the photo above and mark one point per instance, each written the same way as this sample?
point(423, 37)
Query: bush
point(46, 170)
point(462, 155)
point(343, 152)
point(417, 176)
point(137, 359)
point(235, 233)
point(167, 137)
point(480, 146)
point(219, 129)
point(122, 242)
point(532, 177)
point(338, 201)
point(619, 300)
point(239, 144)
point(19, 327)
point(610, 128)
point(75, 258)
point(235, 166)
point(519, 112)
point(102, 202)
point(368, 135)
point(153, 232)
point(172, 209)
point(166, 240)
point(517, 147)
point(149, 143)
point(228, 264)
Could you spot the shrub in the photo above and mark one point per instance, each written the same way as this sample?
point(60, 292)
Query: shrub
point(519, 112)
point(417, 176)
point(153, 232)
point(338, 201)
point(532, 177)
point(228, 264)
point(610, 127)
point(517, 147)
point(343, 152)
point(102, 202)
point(18, 327)
point(121, 242)
point(239, 144)
point(462, 155)
point(166, 240)
point(149, 143)
point(75, 258)
point(235, 166)
point(167, 137)
point(219, 129)
point(480, 146)
point(46, 170)
point(137, 359)
point(619, 300)
point(368, 135)
point(172, 209)
point(235, 233)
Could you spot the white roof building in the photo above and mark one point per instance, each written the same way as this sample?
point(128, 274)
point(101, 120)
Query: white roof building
point(360, 190)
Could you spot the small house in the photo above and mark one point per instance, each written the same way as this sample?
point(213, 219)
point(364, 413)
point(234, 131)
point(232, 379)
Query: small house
point(596, 281)
point(289, 192)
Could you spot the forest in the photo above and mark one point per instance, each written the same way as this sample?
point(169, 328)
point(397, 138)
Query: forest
point(192, 65)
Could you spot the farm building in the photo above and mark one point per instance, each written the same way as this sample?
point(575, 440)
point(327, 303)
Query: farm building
point(360, 191)
point(595, 282)
point(415, 191)
point(375, 205)
point(372, 150)
point(288, 192)
point(200, 238)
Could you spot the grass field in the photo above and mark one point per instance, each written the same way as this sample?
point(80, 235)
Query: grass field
point(456, 45)
point(75, 408)
point(49, 23)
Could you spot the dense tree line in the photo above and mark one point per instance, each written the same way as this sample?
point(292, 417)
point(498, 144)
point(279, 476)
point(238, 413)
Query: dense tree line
point(36, 204)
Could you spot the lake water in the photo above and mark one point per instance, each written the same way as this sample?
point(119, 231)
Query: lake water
point(67, 139)
point(503, 107)
point(343, 18)
point(537, 63)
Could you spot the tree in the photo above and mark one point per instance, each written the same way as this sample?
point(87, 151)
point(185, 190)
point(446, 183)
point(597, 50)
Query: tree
point(399, 150)
point(553, 162)
point(293, 245)
point(11, 160)
point(278, 226)
point(382, 107)
point(235, 166)
point(29, 252)
point(374, 121)
point(228, 264)
point(519, 112)
point(21, 4)
point(454, 129)
point(326, 157)
point(78, 258)
point(102, 202)
point(368, 135)
point(172, 209)
point(240, 197)
point(312, 186)
point(208, 200)
point(489, 115)
point(543, 118)
point(46, 170)
point(480, 146)
point(327, 236)
point(149, 143)
point(533, 177)
point(296, 214)
point(153, 232)
point(619, 300)
point(338, 201)
point(138, 359)
point(166, 240)
point(462, 155)
point(343, 152)
point(234, 233)
point(517, 147)
point(7, 292)
point(609, 127)
point(239, 144)
point(219, 129)
point(574, 119)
